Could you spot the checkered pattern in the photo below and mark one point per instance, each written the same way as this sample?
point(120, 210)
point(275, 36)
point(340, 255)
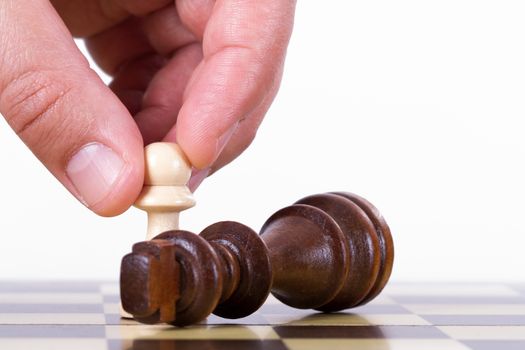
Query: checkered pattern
point(56, 315)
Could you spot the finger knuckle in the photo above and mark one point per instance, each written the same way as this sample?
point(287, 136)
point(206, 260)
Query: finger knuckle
point(29, 101)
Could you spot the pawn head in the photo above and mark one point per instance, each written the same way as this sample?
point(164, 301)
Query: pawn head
point(166, 165)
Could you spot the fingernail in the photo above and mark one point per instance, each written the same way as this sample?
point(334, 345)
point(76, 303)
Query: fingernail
point(93, 171)
point(197, 177)
point(223, 140)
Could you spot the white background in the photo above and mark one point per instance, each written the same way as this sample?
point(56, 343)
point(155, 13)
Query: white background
point(417, 105)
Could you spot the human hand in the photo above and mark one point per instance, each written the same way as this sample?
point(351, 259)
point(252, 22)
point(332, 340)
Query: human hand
point(202, 73)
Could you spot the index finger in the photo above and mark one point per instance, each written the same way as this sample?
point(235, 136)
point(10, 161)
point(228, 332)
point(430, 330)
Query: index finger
point(244, 46)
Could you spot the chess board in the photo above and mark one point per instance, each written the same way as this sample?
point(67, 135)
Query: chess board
point(59, 315)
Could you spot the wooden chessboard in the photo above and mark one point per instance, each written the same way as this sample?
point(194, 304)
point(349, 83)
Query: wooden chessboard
point(84, 315)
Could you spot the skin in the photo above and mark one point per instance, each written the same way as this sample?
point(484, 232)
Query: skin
point(201, 73)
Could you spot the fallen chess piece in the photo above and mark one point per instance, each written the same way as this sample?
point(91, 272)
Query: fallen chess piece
point(327, 252)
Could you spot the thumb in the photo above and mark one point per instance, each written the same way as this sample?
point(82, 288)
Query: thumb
point(63, 112)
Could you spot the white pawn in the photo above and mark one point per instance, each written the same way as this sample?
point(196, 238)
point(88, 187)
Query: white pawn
point(165, 193)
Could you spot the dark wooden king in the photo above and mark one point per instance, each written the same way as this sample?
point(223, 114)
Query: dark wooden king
point(327, 252)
